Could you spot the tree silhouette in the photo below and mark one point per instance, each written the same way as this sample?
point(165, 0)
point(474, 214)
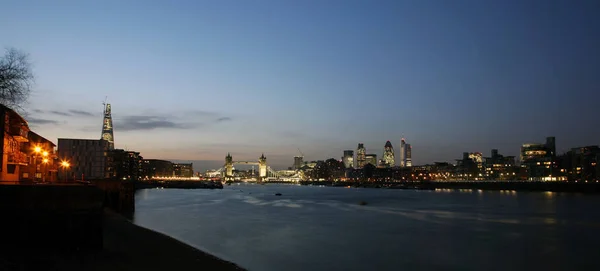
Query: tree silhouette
point(16, 78)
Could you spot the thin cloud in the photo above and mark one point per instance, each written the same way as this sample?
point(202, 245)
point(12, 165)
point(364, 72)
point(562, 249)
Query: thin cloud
point(203, 113)
point(136, 123)
point(42, 121)
point(222, 119)
point(38, 111)
point(60, 113)
point(81, 113)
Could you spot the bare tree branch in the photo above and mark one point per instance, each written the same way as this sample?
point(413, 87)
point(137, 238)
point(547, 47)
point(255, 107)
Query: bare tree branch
point(16, 79)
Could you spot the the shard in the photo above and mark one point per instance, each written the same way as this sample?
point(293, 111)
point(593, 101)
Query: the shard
point(107, 127)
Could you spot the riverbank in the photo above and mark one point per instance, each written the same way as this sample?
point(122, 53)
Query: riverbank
point(126, 247)
point(528, 186)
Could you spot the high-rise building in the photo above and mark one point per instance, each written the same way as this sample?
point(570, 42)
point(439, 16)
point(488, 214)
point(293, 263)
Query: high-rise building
point(361, 153)
point(402, 153)
point(107, 128)
point(371, 159)
point(298, 162)
point(348, 158)
point(408, 154)
point(388, 155)
point(87, 158)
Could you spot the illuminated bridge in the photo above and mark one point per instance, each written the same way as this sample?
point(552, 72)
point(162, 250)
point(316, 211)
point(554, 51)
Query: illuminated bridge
point(265, 172)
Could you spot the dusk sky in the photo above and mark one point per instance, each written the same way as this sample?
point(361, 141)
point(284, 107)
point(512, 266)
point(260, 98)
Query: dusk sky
point(194, 80)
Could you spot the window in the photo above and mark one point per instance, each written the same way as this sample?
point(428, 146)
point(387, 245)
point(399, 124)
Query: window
point(10, 168)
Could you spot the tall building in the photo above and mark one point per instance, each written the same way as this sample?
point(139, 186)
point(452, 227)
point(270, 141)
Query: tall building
point(298, 162)
point(183, 170)
point(408, 154)
point(371, 159)
point(361, 153)
point(107, 127)
point(402, 153)
point(388, 155)
point(87, 158)
point(348, 158)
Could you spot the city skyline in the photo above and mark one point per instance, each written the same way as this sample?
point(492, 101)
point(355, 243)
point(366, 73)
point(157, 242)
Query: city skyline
point(211, 78)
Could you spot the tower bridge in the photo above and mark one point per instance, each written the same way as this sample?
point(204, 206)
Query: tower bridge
point(264, 171)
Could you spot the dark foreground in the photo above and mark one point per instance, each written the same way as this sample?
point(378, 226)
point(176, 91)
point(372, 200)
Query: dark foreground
point(126, 247)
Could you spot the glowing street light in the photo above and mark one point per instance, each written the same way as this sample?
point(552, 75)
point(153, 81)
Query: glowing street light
point(65, 165)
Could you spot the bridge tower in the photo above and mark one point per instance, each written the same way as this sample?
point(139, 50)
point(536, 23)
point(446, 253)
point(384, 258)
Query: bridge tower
point(228, 165)
point(262, 167)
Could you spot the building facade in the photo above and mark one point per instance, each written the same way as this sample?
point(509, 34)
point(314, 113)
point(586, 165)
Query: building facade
point(584, 164)
point(43, 159)
point(155, 168)
point(408, 155)
point(371, 159)
point(298, 162)
point(183, 170)
point(539, 160)
point(402, 153)
point(125, 165)
point(500, 167)
point(15, 135)
point(388, 159)
point(348, 158)
point(361, 158)
point(88, 159)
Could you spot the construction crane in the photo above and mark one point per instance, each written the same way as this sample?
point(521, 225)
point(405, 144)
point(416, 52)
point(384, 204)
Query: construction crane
point(302, 154)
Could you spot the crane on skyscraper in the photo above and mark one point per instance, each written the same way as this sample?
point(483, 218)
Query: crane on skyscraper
point(302, 154)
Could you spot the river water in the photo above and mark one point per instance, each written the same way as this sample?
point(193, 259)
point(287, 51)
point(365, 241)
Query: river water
point(325, 228)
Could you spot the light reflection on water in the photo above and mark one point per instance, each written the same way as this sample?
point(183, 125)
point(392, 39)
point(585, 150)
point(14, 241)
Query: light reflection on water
point(324, 228)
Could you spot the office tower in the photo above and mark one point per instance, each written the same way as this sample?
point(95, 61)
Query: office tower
point(348, 158)
point(388, 155)
point(107, 127)
point(408, 155)
point(361, 155)
point(402, 153)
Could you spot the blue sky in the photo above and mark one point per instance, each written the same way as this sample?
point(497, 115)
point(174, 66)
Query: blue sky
point(193, 80)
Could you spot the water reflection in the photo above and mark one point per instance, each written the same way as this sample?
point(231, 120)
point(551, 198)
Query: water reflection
point(312, 228)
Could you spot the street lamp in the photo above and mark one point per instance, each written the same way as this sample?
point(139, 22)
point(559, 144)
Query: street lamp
point(65, 165)
point(36, 150)
point(45, 162)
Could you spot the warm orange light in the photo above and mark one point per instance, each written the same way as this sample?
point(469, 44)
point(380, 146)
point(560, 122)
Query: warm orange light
point(45, 161)
point(65, 164)
point(45, 153)
point(37, 149)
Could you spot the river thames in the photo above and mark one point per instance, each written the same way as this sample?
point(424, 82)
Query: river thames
point(325, 228)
